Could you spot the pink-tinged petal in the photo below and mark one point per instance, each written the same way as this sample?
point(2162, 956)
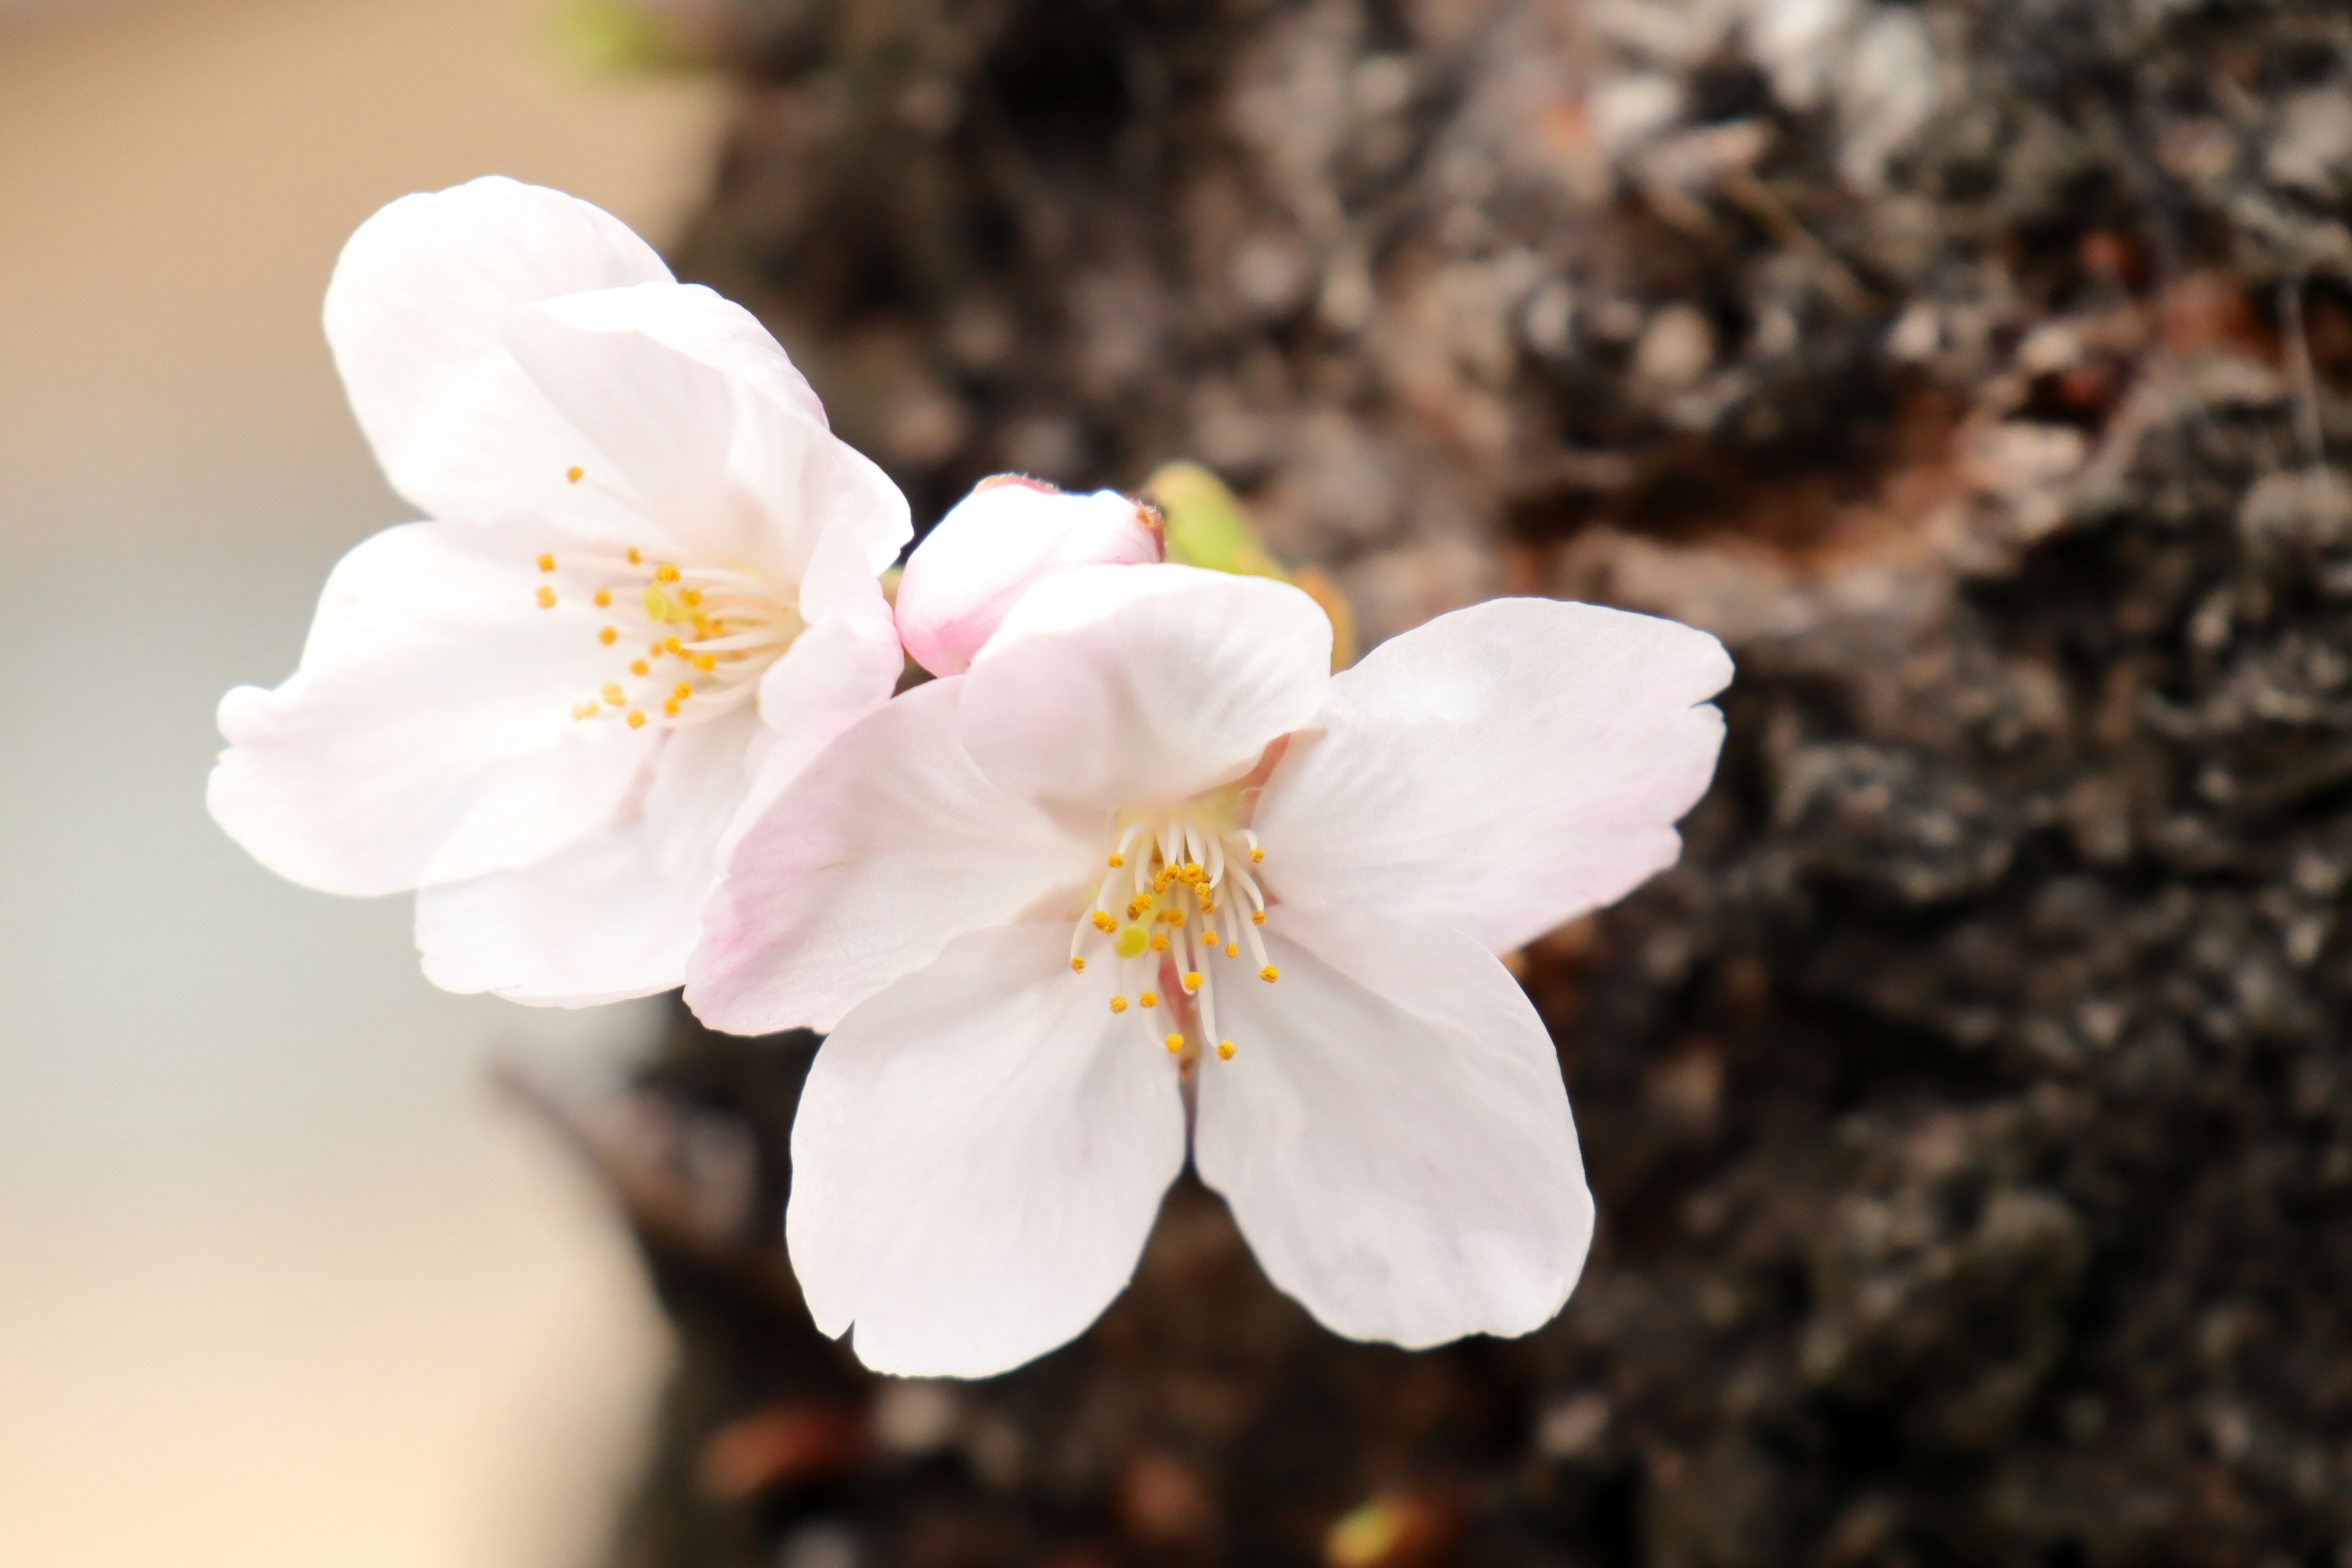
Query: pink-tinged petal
point(429, 734)
point(1503, 768)
point(615, 914)
point(976, 1160)
point(417, 315)
point(696, 415)
point(1392, 1133)
point(1115, 686)
point(1010, 533)
point(887, 848)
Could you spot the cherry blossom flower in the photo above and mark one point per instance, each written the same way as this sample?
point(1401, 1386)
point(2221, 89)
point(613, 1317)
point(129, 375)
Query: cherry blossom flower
point(649, 567)
point(1009, 534)
point(1149, 840)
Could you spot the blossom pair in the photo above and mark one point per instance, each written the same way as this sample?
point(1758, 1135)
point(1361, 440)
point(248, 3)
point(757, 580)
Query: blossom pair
point(1136, 878)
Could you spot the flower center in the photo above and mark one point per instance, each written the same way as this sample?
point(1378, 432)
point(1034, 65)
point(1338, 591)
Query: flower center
point(686, 643)
point(1179, 901)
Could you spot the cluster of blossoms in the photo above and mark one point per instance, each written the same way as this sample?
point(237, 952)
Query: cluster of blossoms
point(1135, 878)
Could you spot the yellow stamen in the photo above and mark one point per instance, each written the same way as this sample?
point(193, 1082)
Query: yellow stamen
point(604, 598)
point(1175, 1044)
point(1118, 1004)
point(670, 706)
point(635, 557)
point(682, 690)
point(1256, 855)
point(1269, 975)
point(1257, 917)
point(690, 597)
point(1209, 937)
point(1136, 906)
point(1233, 950)
point(1192, 980)
point(546, 597)
point(1149, 998)
point(639, 667)
point(665, 573)
point(706, 662)
point(1078, 965)
point(1159, 942)
point(1193, 872)
point(671, 644)
point(1103, 921)
point(1225, 1050)
point(1173, 917)
point(636, 719)
point(575, 473)
point(612, 689)
point(547, 562)
point(609, 636)
point(1117, 861)
point(585, 709)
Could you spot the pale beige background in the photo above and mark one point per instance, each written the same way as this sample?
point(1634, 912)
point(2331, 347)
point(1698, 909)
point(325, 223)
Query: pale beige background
point(280, 1285)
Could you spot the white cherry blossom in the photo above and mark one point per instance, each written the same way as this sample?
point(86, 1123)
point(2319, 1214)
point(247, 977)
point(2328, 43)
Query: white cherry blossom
point(648, 566)
point(1011, 531)
point(1150, 841)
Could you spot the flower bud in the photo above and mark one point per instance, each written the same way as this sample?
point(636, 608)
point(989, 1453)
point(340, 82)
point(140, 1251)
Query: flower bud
point(1008, 534)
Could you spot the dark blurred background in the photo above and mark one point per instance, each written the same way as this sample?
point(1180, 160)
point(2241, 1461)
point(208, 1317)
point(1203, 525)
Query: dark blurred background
point(1970, 1113)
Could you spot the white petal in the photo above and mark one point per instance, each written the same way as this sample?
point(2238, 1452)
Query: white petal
point(429, 734)
point(702, 421)
point(1502, 769)
point(976, 1160)
point(1392, 1133)
point(416, 315)
point(1117, 686)
point(890, 846)
point(978, 560)
point(615, 914)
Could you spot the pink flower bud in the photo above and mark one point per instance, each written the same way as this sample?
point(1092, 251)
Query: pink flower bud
point(1008, 534)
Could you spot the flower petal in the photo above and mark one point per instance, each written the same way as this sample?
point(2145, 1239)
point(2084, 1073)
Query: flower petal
point(890, 846)
point(1392, 1133)
point(1115, 686)
point(615, 914)
point(1502, 769)
point(976, 1160)
point(964, 577)
point(416, 315)
point(429, 734)
point(706, 426)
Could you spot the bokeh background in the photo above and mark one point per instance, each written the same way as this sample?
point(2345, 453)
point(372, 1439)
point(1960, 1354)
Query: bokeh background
point(282, 1285)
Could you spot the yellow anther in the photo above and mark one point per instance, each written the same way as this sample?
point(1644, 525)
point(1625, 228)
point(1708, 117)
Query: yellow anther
point(706, 662)
point(1161, 879)
point(609, 636)
point(1118, 1004)
point(1256, 855)
point(1117, 861)
point(1225, 1050)
point(1209, 937)
point(604, 598)
point(671, 644)
point(1269, 975)
point(575, 473)
point(1193, 872)
point(546, 597)
point(682, 690)
point(665, 573)
point(547, 562)
point(639, 667)
point(1078, 965)
point(670, 706)
point(1175, 1044)
point(1233, 950)
point(1257, 917)
point(1173, 917)
point(1192, 980)
point(1159, 942)
point(1149, 998)
point(1103, 920)
point(636, 719)
point(1136, 906)
point(1208, 904)
point(635, 557)
point(690, 597)
point(612, 689)
point(585, 709)
point(1131, 940)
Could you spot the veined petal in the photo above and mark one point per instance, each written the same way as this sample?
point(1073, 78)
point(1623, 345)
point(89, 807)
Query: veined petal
point(1392, 1133)
point(613, 916)
point(417, 315)
point(890, 846)
point(1113, 686)
point(965, 577)
point(976, 1160)
point(427, 736)
point(711, 430)
point(1502, 769)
